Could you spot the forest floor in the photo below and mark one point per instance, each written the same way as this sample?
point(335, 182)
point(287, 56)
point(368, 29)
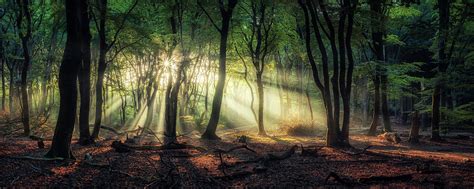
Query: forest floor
point(447, 164)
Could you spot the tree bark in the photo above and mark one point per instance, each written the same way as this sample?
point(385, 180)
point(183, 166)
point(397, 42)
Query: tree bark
point(261, 128)
point(102, 65)
point(226, 14)
point(84, 81)
point(415, 128)
point(24, 11)
point(376, 113)
point(68, 73)
point(2, 59)
point(443, 8)
point(385, 110)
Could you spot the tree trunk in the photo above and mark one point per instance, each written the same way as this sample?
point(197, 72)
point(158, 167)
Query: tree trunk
point(261, 128)
point(68, 72)
point(210, 132)
point(101, 69)
point(443, 7)
point(385, 111)
point(25, 110)
point(376, 113)
point(11, 92)
point(48, 66)
point(2, 59)
point(415, 128)
point(84, 81)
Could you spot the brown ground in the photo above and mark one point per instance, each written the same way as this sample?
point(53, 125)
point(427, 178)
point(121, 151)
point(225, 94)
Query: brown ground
point(446, 164)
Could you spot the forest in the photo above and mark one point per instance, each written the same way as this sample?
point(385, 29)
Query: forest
point(237, 93)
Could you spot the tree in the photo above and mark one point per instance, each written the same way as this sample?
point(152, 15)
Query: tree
point(341, 86)
point(68, 73)
point(259, 44)
point(226, 14)
point(443, 31)
point(84, 77)
point(104, 48)
point(24, 13)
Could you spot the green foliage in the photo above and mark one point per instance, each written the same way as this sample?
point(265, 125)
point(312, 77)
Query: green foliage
point(402, 12)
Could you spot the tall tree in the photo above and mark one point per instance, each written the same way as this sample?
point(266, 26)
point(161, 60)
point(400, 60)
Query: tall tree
point(259, 44)
point(378, 17)
point(342, 88)
point(84, 77)
point(226, 14)
point(443, 30)
point(68, 73)
point(104, 48)
point(24, 35)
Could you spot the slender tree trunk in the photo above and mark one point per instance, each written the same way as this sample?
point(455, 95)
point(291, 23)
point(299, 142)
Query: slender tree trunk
point(11, 92)
point(385, 111)
point(48, 67)
point(443, 7)
point(346, 86)
point(68, 72)
point(84, 81)
point(210, 132)
point(25, 111)
point(261, 128)
point(101, 69)
point(2, 59)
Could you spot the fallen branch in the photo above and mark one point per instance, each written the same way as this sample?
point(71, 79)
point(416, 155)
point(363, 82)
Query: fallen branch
point(309, 151)
point(220, 152)
point(110, 129)
point(119, 146)
point(363, 151)
point(36, 158)
point(375, 179)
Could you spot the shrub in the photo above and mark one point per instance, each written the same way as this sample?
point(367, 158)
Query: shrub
point(302, 128)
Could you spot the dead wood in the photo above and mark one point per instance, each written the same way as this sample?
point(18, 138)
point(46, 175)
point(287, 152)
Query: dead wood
point(110, 129)
point(119, 146)
point(220, 152)
point(36, 158)
point(234, 148)
point(309, 151)
point(376, 179)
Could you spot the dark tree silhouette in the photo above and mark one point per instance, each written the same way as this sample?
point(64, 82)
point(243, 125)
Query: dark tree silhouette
point(68, 74)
